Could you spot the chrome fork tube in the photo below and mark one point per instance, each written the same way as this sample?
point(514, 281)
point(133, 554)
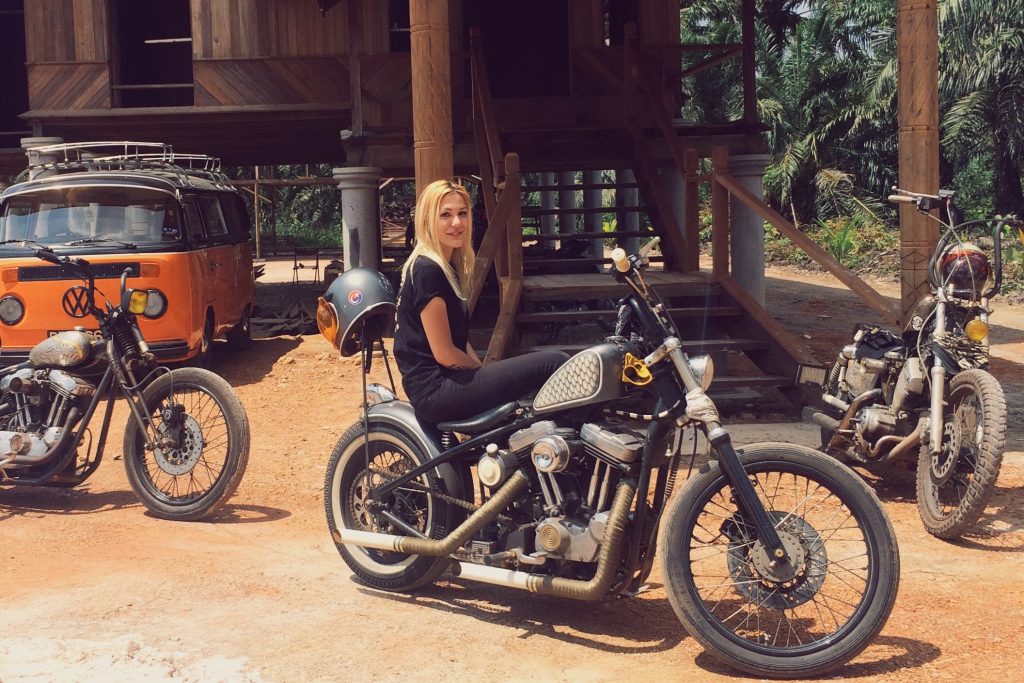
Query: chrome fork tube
point(938, 381)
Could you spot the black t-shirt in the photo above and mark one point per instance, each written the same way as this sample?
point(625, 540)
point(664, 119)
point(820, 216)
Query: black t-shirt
point(421, 373)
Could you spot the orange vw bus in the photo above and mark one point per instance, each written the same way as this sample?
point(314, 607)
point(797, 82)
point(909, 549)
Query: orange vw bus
point(173, 219)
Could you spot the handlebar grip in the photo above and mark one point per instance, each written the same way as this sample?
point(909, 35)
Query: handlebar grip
point(48, 256)
point(619, 259)
point(902, 199)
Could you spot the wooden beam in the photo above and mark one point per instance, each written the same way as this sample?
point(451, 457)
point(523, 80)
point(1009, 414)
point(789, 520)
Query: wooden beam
point(691, 203)
point(719, 213)
point(918, 104)
point(811, 248)
point(504, 327)
point(431, 91)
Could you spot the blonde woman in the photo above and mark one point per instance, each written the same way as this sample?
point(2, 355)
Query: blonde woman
point(441, 372)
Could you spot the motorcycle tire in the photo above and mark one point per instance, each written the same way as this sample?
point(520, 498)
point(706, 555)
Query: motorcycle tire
point(194, 480)
point(813, 613)
point(346, 491)
point(952, 492)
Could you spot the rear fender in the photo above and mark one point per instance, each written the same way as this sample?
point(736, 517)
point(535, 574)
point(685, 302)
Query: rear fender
point(399, 415)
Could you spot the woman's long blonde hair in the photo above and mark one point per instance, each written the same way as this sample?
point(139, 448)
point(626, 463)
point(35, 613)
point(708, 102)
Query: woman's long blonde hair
point(459, 270)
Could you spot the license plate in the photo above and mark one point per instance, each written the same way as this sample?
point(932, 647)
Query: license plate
point(92, 333)
point(811, 374)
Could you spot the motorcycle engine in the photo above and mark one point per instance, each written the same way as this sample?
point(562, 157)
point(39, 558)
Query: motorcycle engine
point(577, 472)
point(34, 408)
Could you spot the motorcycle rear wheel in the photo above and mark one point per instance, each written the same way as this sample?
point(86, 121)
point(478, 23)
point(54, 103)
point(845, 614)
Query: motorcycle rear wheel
point(195, 479)
point(347, 504)
point(802, 619)
point(954, 486)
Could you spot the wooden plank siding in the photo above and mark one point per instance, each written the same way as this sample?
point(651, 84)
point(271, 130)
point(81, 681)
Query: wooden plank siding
point(69, 86)
point(239, 82)
point(387, 91)
point(242, 29)
point(61, 31)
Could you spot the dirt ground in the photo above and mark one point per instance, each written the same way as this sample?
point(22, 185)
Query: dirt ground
point(97, 590)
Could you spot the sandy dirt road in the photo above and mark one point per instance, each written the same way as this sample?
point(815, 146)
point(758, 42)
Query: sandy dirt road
point(97, 590)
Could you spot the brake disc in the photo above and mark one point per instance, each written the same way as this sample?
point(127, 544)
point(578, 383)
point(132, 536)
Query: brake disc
point(943, 463)
point(779, 586)
point(182, 459)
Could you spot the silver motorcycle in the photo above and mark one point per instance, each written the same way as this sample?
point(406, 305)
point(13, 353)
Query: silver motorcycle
point(926, 394)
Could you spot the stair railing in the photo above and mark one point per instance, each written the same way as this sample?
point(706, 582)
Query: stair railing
point(502, 244)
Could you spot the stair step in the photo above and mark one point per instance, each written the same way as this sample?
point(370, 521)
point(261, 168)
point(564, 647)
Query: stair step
point(689, 345)
point(584, 286)
point(592, 235)
point(577, 261)
point(573, 316)
point(534, 211)
point(580, 186)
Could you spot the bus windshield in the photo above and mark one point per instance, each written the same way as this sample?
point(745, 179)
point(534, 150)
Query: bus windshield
point(71, 214)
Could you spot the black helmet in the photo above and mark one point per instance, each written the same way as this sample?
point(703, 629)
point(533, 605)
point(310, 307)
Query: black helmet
point(358, 298)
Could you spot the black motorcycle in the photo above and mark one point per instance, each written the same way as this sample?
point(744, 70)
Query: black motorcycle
point(779, 560)
point(926, 394)
point(186, 444)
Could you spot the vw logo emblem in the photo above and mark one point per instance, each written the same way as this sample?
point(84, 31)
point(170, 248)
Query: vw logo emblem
point(76, 302)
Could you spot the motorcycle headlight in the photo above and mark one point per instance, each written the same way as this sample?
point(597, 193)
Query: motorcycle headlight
point(976, 329)
point(704, 369)
point(327, 320)
point(156, 306)
point(11, 310)
point(134, 301)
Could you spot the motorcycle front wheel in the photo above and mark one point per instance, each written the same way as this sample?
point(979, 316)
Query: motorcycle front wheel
point(360, 463)
point(199, 413)
point(794, 619)
point(954, 485)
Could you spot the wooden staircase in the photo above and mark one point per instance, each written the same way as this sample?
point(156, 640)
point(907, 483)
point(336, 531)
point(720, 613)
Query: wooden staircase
point(540, 303)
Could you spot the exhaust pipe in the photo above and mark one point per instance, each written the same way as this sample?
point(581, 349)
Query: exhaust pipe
point(855, 405)
point(905, 444)
point(814, 416)
point(443, 546)
point(575, 589)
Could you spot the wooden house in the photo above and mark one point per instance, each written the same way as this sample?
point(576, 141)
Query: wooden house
point(570, 89)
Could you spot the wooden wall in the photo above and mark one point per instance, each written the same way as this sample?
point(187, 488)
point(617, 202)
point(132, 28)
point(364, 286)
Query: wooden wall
point(243, 29)
point(66, 52)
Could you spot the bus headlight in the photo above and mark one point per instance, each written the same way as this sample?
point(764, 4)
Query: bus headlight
point(156, 306)
point(11, 310)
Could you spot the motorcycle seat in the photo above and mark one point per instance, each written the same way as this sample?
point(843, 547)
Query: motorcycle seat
point(478, 424)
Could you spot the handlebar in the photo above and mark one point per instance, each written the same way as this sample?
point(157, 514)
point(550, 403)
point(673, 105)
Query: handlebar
point(902, 198)
point(621, 260)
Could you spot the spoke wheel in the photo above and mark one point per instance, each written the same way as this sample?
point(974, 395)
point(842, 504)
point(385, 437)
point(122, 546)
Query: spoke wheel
point(954, 485)
point(201, 438)
point(801, 617)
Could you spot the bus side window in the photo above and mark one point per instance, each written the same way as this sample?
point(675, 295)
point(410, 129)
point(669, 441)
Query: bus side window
point(194, 221)
point(237, 217)
point(214, 219)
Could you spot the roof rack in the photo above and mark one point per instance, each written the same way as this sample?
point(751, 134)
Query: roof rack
point(74, 157)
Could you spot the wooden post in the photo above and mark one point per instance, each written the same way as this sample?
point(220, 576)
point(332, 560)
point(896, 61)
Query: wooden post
point(719, 213)
point(690, 259)
point(431, 91)
point(917, 59)
point(256, 209)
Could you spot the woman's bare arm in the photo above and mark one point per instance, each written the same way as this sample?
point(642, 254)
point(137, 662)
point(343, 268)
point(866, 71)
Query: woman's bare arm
point(439, 336)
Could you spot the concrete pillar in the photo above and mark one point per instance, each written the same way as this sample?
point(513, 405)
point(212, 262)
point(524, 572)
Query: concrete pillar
point(627, 221)
point(548, 221)
point(593, 222)
point(566, 203)
point(360, 215)
point(746, 227)
point(430, 56)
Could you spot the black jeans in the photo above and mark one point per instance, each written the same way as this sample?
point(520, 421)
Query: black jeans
point(465, 393)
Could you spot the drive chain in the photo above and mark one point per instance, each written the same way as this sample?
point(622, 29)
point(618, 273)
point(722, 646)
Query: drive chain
point(417, 486)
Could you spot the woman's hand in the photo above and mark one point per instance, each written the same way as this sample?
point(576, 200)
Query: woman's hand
point(439, 336)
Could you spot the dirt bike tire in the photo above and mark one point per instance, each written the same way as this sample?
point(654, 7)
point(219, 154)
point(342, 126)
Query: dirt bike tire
point(344, 494)
point(214, 452)
point(964, 515)
point(701, 609)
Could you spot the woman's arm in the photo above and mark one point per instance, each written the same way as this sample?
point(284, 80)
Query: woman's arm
point(439, 336)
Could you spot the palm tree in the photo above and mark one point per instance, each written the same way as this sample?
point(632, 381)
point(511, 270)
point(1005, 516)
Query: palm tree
point(981, 84)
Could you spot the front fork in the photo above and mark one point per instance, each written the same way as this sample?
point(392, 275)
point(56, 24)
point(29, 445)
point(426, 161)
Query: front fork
point(701, 408)
point(938, 384)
